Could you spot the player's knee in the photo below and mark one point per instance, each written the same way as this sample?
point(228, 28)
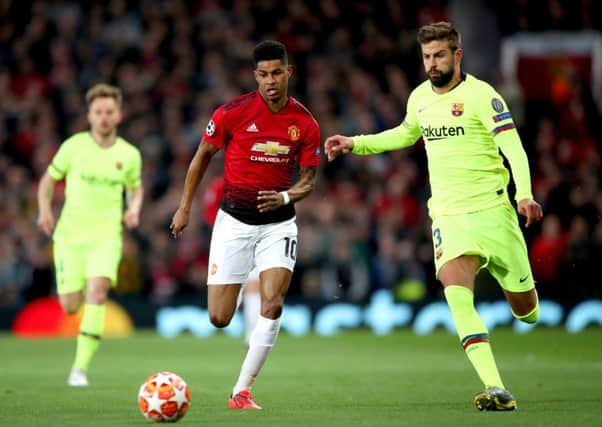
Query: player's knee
point(96, 298)
point(219, 320)
point(71, 304)
point(71, 308)
point(272, 309)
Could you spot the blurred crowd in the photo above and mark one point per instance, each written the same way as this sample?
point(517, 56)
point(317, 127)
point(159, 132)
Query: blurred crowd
point(365, 227)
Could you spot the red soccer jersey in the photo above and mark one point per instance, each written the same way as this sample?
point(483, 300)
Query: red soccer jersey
point(262, 152)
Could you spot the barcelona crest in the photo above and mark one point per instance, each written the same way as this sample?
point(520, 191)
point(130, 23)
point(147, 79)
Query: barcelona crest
point(294, 133)
point(457, 109)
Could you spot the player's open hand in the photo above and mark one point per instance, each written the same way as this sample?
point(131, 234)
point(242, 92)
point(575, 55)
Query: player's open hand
point(336, 145)
point(46, 223)
point(531, 209)
point(269, 200)
point(131, 218)
point(179, 222)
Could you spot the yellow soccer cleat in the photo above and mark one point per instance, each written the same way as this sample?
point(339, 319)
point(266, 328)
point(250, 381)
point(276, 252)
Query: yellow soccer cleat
point(495, 399)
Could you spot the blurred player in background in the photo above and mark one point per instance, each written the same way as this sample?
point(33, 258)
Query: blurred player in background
point(464, 122)
point(267, 136)
point(97, 165)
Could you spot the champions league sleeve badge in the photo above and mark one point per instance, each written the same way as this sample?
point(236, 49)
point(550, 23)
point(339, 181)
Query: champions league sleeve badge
point(210, 130)
point(497, 105)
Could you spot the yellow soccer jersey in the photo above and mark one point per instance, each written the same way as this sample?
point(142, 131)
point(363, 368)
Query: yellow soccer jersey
point(462, 131)
point(95, 180)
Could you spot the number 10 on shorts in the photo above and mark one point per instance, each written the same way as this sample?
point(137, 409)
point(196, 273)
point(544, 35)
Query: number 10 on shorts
point(290, 248)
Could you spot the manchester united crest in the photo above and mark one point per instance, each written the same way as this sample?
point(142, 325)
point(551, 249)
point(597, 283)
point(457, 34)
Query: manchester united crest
point(457, 109)
point(294, 133)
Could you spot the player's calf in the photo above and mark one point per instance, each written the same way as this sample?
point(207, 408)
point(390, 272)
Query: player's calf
point(530, 317)
point(71, 302)
point(525, 305)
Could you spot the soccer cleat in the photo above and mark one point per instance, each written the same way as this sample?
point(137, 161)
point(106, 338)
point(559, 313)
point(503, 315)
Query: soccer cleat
point(77, 378)
point(495, 399)
point(242, 400)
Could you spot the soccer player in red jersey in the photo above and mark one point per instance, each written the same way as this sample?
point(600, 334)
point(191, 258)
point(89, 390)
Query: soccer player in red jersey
point(267, 136)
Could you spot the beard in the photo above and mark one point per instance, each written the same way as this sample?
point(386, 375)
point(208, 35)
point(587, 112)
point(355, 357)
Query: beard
point(442, 78)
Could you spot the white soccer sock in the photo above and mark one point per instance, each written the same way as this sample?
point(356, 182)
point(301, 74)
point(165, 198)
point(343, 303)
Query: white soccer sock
point(251, 307)
point(260, 344)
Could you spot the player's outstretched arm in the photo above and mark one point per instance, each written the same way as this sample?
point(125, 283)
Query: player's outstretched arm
point(134, 198)
point(530, 209)
point(46, 217)
point(336, 145)
point(196, 171)
point(270, 200)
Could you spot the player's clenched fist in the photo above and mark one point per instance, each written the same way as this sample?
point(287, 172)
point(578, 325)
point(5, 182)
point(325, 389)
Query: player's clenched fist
point(336, 145)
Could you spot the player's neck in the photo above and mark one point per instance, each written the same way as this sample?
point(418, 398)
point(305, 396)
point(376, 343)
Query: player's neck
point(102, 140)
point(276, 106)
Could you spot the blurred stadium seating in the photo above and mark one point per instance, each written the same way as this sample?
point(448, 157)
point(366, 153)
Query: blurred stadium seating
point(365, 227)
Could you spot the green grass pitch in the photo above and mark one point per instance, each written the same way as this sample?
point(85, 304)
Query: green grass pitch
point(354, 379)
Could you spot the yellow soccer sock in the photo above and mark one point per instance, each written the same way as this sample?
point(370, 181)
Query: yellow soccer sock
point(90, 333)
point(473, 334)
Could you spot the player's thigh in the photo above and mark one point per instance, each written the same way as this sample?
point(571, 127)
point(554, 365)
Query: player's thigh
point(70, 269)
point(509, 262)
point(277, 246)
point(103, 262)
point(460, 271)
point(453, 237)
point(221, 303)
point(231, 250)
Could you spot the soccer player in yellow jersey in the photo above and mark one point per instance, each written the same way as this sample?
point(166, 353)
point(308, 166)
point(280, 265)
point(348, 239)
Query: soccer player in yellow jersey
point(97, 166)
point(464, 123)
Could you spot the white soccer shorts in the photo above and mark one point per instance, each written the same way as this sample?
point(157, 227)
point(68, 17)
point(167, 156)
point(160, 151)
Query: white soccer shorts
point(237, 247)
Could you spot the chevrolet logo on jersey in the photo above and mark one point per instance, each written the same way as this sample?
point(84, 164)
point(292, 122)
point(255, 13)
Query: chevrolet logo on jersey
point(271, 148)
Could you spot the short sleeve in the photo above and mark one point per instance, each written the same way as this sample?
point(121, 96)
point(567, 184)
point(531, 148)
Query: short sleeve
point(133, 175)
point(215, 132)
point(309, 154)
point(61, 162)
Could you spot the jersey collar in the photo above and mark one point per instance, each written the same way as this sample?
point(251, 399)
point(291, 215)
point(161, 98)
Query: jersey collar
point(284, 107)
point(462, 79)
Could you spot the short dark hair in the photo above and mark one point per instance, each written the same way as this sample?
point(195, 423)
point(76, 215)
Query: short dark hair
point(268, 50)
point(440, 31)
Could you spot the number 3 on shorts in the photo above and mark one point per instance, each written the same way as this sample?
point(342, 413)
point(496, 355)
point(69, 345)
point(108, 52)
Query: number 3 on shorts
point(437, 237)
point(290, 248)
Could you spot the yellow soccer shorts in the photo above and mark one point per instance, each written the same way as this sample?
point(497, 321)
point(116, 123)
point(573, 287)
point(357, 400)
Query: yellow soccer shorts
point(494, 235)
point(75, 263)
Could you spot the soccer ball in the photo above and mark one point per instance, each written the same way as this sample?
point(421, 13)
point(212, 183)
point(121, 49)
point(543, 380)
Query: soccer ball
point(164, 396)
